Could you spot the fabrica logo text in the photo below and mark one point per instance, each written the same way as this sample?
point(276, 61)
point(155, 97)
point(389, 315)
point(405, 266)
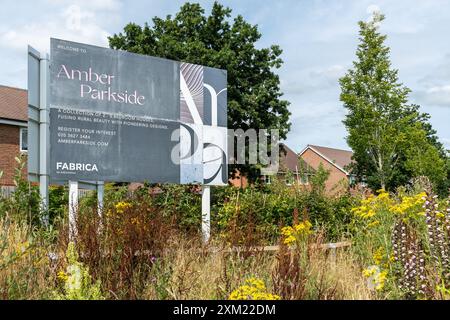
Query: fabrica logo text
point(76, 166)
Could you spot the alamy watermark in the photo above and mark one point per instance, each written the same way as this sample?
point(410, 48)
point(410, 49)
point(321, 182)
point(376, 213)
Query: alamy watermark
point(227, 146)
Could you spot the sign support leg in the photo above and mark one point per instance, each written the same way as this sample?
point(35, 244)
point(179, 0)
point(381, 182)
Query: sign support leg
point(73, 209)
point(43, 191)
point(43, 133)
point(206, 213)
point(100, 194)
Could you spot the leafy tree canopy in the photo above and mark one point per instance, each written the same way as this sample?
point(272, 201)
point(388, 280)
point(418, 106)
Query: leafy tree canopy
point(216, 40)
point(391, 139)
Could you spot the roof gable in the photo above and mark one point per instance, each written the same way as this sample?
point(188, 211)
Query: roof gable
point(13, 103)
point(337, 157)
point(288, 159)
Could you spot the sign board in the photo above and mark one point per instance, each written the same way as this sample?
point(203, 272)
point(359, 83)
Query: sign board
point(34, 66)
point(119, 116)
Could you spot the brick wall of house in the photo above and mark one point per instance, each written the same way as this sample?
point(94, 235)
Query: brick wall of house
point(9, 149)
point(238, 181)
point(336, 175)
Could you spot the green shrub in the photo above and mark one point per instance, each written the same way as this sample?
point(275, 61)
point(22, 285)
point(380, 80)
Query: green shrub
point(58, 199)
point(24, 203)
point(77, 282)
point(270, 206)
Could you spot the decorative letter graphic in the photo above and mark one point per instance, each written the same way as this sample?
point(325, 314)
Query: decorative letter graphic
point(197, 111)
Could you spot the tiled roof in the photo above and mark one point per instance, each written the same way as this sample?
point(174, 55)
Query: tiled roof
point(13, 103)
point(290, 161)
point(288, 158)
point(341, 158)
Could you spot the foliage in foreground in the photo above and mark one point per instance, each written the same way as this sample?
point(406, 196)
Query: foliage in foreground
point(404, 240)
point(77, 282)
point(254, 289)
point(392, 140)
point(139, 251)
point(146, 245)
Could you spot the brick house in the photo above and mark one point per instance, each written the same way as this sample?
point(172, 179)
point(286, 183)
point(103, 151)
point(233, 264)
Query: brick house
point(13, 130)
point(239, 180)
point(292, 168)
point(334, 160)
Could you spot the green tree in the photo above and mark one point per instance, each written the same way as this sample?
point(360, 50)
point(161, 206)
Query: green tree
point(319, 179)
point(391, 140)
point(424, 154)
point(423, 159)
point(254, 96)
point(447, 186)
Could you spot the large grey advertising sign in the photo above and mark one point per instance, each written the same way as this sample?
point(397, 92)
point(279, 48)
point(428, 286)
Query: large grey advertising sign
point(119, 116)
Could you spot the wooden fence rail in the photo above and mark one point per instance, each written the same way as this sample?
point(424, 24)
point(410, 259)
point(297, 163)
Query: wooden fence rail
point(326, 246)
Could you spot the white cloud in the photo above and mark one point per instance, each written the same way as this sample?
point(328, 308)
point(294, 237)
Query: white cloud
point(373, 8)
point(438, 95)
point(86, 21)
point(439, 89)
point(109, 5)
point(446, 142)
point(332, 73)
point(315, 79)
point(76, 22)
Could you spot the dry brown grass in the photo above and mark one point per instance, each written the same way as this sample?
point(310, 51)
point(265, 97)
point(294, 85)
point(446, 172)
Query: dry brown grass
point(207, 273)
point(310, 272)
point(26, 271)
point(338, 277)
point(138, 254)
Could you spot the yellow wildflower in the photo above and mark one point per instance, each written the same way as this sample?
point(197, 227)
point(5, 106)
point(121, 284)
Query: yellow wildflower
point(378, 256)
point(297, 232)
point(303, 228)
point(375, 278)
point(373, 224)
point(369, 271)
point(289, 240)
point(380, 280)
point(254, 289)
point(372, 204)
point(22, 247)
point(440, 215)
point(122, 206)
point(409, 205)
point(62, 276)
point(287, 231)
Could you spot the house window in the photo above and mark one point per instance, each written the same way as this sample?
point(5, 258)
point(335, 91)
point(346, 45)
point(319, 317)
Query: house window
point(304, 179)
point(23, 139)
point(290, 181)
point(268, 179)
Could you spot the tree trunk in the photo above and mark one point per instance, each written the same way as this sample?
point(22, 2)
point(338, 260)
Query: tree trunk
point(380, 168)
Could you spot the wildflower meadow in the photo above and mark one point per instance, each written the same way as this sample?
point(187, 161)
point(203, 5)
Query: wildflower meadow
point(269, 242)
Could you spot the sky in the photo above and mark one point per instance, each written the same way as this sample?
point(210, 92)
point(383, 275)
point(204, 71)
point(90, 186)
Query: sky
point(318, 38)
